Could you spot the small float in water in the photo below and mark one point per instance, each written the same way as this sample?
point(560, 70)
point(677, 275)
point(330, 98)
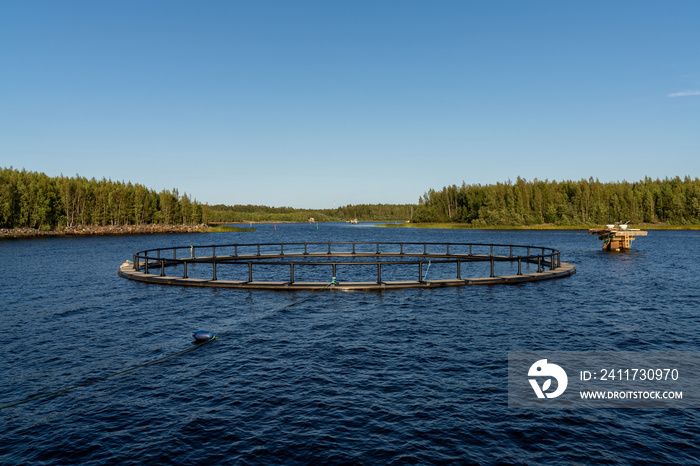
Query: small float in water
point(202, 336)
point(617, 236)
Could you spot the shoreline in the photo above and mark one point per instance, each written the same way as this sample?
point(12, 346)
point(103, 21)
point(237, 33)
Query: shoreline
point(465, 226)
point(155, 229)
point(110, 230)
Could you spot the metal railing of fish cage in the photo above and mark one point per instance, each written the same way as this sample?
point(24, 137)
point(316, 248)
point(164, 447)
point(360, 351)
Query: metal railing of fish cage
point(329, 254)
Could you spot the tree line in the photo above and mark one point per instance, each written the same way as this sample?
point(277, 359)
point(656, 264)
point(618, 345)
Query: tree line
point(673, 201)
point(35, 200)
point(256, 213)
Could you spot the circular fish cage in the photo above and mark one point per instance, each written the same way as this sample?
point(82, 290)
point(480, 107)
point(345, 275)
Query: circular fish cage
point(360, 266)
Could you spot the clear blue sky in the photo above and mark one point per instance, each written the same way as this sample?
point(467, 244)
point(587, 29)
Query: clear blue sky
point(307, 104)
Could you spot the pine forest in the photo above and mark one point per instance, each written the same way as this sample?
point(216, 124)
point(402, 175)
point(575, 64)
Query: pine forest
point(35, 200)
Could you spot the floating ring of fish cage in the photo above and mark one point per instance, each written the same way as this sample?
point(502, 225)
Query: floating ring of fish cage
point(345, 265)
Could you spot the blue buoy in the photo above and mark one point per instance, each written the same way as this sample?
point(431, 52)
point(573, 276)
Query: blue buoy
point(201, 336)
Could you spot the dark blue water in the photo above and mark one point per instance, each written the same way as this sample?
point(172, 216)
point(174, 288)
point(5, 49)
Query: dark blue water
point(410, 376)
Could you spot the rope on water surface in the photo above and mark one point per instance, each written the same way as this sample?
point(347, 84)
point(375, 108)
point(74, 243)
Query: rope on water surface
point(148, 363)
point(311, 295)
point(580, 250)
point(89, 382)
point(426, 271)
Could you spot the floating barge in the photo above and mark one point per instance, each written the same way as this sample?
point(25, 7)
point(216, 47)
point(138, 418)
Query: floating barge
point(617, 237)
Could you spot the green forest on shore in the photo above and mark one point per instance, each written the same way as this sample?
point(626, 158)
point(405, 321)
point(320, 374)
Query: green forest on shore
point(35, 200)
point(256, 213)
point(671, 201)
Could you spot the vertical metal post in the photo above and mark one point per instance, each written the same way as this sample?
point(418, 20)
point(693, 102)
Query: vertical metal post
point(192, 252)
point(213, 251)
point(402, 249)
point(334, 275)
point(379, 272)
point(174, 253)
point(158, 255)
point(184, 275)
point(470, 249)
point(258, 249)
point(420, 271)
point(136, 263)
point(492, 266)
point(250, 271)
point(353, 247)
point(559, 259)
point(425, 249)
point(329, 247)
point(282, 249)
point(519, 267)
point(539, 264)
point(162, 267)
point(491, 253)
point(235, 250)
point(291, 272)
point(214, 267)
point(305, 252)
point(511, 251)
point(146, 263)
point(377, 248)
point(448, 249)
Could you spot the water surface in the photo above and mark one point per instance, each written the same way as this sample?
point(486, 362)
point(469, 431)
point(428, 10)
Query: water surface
point(403, 376)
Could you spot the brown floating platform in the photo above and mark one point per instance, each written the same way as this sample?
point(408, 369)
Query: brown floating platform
point(617, 237)
point(564, 269)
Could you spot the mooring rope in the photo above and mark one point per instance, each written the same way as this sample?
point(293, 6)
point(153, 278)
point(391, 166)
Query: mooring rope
point(148, 363)
point(426, 271)
point(580, 250)
point(311, 295)
point(89, 382)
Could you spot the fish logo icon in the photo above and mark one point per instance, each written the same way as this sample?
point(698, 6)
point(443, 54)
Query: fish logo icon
point(544, 369)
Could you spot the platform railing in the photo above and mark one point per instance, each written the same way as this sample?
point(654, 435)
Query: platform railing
point(255, 254)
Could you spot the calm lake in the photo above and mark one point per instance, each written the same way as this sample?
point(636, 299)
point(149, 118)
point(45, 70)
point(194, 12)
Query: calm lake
point(415, 376)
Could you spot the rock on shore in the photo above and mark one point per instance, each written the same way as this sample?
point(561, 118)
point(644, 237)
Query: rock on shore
point(101, 230)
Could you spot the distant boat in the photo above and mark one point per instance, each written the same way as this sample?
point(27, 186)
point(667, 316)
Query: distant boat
point(353, 221)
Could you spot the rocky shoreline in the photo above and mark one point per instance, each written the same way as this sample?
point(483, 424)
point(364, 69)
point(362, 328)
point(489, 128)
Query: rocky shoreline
point(7, 233)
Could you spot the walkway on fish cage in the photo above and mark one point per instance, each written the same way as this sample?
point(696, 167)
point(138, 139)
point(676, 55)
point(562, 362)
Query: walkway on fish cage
point(348, 266)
